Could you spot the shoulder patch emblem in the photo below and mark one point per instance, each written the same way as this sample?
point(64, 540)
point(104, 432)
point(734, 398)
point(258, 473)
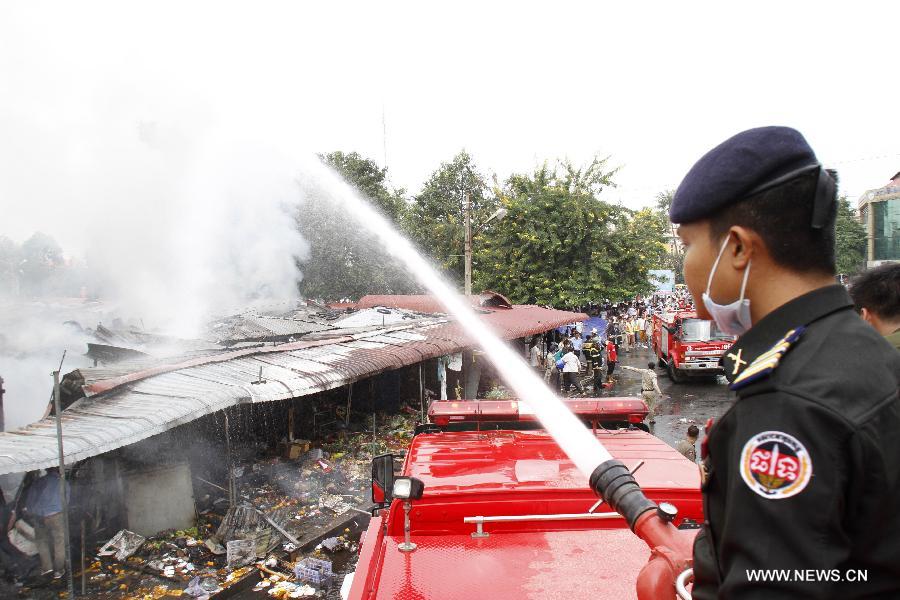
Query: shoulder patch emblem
point(775, 465)
point(766, 362)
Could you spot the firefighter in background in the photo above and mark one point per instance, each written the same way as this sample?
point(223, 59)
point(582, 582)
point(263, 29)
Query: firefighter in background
point(588, 350)
point(596, 363)
point(804, 469)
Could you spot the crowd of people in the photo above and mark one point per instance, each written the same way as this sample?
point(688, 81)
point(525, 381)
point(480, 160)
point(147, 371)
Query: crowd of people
point(589, 351)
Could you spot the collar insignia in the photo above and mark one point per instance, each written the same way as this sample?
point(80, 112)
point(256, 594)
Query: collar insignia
point(738, 361)
point(766, 362)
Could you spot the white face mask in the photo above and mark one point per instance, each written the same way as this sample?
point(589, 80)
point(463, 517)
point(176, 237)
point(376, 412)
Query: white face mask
point(734, 318)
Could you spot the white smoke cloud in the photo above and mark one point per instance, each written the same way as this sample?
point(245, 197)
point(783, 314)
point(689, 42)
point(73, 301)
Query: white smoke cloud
point(180, 203)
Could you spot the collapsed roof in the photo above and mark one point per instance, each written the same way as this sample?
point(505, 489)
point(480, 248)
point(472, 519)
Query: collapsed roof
point(143, 395)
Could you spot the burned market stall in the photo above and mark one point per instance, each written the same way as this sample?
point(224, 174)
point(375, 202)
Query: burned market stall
point(244, 460)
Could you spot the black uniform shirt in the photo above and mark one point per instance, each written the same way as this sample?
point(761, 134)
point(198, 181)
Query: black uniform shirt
point(804, 468)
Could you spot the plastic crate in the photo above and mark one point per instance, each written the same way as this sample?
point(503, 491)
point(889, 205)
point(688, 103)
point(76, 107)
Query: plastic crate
point(314, 571)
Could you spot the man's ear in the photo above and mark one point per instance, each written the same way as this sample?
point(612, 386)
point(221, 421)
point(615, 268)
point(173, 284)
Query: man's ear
point(747, 245)
point(869, 317)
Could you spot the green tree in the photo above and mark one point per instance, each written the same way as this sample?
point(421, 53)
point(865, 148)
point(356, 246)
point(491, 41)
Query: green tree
point(41, 258)
point(561, 245)
point(850, 239)
point(674, 257)
point(10, 263)
point(345, 260)
point(435, 221)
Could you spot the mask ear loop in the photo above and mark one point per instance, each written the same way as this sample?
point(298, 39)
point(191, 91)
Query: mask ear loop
point(746, 276)
point(716, 266)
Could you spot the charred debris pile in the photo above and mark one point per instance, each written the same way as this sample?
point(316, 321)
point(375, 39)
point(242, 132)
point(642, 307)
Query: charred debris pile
point(283, 524)
point(269, 495)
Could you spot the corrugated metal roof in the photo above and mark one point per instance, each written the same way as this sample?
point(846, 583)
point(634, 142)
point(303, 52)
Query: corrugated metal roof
point(430, 304)
point(258, 327)
point(139, 399)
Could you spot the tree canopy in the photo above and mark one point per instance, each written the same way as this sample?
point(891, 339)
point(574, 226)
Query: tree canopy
point(435, 221)
point(674, 257)
point(345, 260)
point(850, 239)
point(561, 245)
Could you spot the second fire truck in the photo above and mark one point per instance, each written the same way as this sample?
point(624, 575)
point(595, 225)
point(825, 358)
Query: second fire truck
point(688, 346)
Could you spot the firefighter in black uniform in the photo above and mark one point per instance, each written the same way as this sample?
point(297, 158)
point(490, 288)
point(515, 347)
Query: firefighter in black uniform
point(802, 497)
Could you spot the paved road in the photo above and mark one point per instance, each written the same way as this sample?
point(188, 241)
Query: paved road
point(682, 403)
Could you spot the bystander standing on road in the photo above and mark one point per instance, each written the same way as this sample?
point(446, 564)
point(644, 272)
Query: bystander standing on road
point(877, 298)
point(534, 355)
point(612, 330)
point(571, 369)
point(551, 373)
point(688, 446)
point(612, 357)
point(577, 343)
point(45, 511)
point(639, 330)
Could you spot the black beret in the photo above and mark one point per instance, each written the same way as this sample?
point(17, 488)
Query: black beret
point(745, 164)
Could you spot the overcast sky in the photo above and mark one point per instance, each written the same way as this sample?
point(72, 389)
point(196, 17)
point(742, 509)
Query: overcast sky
point(653, 85)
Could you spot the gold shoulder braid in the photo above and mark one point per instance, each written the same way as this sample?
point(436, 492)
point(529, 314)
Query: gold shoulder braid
point(766, 362)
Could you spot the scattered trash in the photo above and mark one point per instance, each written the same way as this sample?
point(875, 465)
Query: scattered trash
point(22, 537)
point(314, 454)
point(334, 503)
point(123, 544)
point(315, 571)
point(333, 544)
point(296, 449)
point(281, 503)
point(286, 589)
point(304, 590)
point(201, 588)
point(241, 552)
point(214, 546)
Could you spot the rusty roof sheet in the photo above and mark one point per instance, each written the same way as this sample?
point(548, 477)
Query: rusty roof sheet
point(431, 304)
point(136, 400)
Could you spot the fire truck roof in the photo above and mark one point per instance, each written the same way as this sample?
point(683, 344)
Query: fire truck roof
point(553, 564)
point(455, 462)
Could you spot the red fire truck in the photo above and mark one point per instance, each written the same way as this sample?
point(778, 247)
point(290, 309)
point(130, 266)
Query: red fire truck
point(487, 505)
point(688, 346)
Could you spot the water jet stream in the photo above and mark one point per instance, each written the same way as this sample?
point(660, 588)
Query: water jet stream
point(585, 451)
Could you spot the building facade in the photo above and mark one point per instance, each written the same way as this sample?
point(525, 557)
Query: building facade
point(879, 211)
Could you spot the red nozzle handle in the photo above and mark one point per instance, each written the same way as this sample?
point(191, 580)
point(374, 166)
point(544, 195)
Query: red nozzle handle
point(671, 553)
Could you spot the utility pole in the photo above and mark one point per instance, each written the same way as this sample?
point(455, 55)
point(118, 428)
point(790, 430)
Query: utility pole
point(384, 135)
point(63, 499)
point(468, 219)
